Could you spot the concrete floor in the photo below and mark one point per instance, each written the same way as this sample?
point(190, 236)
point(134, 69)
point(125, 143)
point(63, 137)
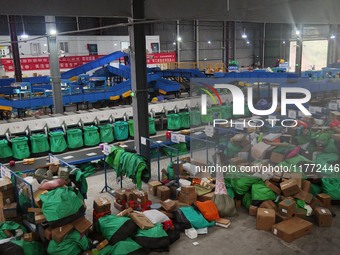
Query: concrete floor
point(241, 237)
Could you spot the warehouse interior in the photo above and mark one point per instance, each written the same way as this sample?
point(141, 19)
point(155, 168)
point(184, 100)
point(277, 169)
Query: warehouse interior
point(169, 127)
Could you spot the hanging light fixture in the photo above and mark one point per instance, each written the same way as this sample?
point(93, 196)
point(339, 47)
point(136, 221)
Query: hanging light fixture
point(24, 35)
point(244, 35)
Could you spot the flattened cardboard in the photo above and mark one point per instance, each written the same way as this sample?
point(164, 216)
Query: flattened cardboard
point(141, 220)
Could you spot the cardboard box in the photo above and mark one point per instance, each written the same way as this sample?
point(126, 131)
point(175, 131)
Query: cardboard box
point(301, 213)
point(292, 229)
point(118, 206)
point(252, 210)
point(289, 187)
point(259, 150)
point(276, 157)
point(129, 194)
point(304, 196)
point(8, 233)
point(54, 168)
point(5, 184)
point(188, 199)
point(7, 197)
point(102, 245)
point(39, 218)
point(82, 225)
point(59, 233)
point(287, 208)
point(206, 197)
point(237, 161)
point(140, 196)
point(222, 222)
point(305, 186)
point(48, 233)
point(121, 194)
point(324, 199)
point(141, 220)
point(265, 218)
point(238, 203)
point(178, 168)
point(168, 205)
point(323, 217)
point(269, 205)
point(188, 189)
point(163, 193)
point(30, 237)
point(273, 187)
point(36, 196)
point(280, 218)
point(125, 213)
point(101, 204)
point(9, 210)
point(315, 203)
point(152, 187)
point(34, 210)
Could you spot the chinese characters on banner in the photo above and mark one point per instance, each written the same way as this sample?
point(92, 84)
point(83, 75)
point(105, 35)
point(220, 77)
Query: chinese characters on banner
point(69, 62)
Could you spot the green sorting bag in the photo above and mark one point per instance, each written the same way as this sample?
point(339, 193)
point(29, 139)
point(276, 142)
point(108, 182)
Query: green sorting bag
point(124, 247)
point(20, 147)
point(91, 136)
point(57, 142)
point(121, 130)
point(72, 244)
point(242, 185)
point(61, 203)
point(217, 112)
point(131, 128)
point(106, 133)
point(39, 143)
point(152, 127)
point(196, 218)
point(226, 111)
point(9, 225)
point(110, 224)
point(30, 248)
point(5, 150)
point(315, 189)
point(331, 186)
point(261, 192)
point(75, 138)
point(185, 119)
point(195, 118)
point(174, 121)
point(246, 200)
point(209, 117)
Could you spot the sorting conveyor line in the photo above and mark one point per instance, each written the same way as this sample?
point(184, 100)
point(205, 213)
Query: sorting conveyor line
point(93, 65)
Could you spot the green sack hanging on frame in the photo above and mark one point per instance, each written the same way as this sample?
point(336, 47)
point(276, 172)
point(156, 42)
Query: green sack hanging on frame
point(75, 138)
point(106, 133)
point(57, 142)
point(209, 117)
point(174, 121)
point(226, 111)
point(195, 118)
point(91, 136)
point(185, 119)
point(5, 150)
point(39, 143)
point(121, 130)
point(20, 147)
point(152, 126)
point(131, 130)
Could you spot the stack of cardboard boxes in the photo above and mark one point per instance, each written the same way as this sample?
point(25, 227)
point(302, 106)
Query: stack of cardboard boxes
point(101, 207)
point(131, 198)
point(292, 222)
point(8, 206)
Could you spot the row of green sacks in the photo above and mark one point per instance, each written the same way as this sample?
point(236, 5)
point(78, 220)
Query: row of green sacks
point(195, 117)
point(75, 139)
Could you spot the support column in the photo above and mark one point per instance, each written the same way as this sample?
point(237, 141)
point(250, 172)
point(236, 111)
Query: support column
point(263, 45)
point(15, 48)
point(299, 45)
point(54, 65)
point(138, 78)
point(225, 51)
point(178, 43)
point(197, 39)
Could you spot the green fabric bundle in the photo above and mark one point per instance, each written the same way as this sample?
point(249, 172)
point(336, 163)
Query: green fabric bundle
point(196, 218)
point(261, 192)
point(72, 244)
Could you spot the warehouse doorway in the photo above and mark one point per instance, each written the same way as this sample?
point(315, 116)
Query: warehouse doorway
point(314, 55)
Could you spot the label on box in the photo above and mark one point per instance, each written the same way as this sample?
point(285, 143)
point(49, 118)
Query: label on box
point(5, 172)
point(174, 138)
point(292, 114)
point(107, 149)
point(323, 211)
point(54, 160)
point(266, 212)
point(209, 131)
point(143, 140)
point(275, 231)
point(284, 210)
point(181, 138)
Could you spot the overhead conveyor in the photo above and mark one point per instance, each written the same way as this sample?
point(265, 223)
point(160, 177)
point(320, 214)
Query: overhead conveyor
point(93, 65)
